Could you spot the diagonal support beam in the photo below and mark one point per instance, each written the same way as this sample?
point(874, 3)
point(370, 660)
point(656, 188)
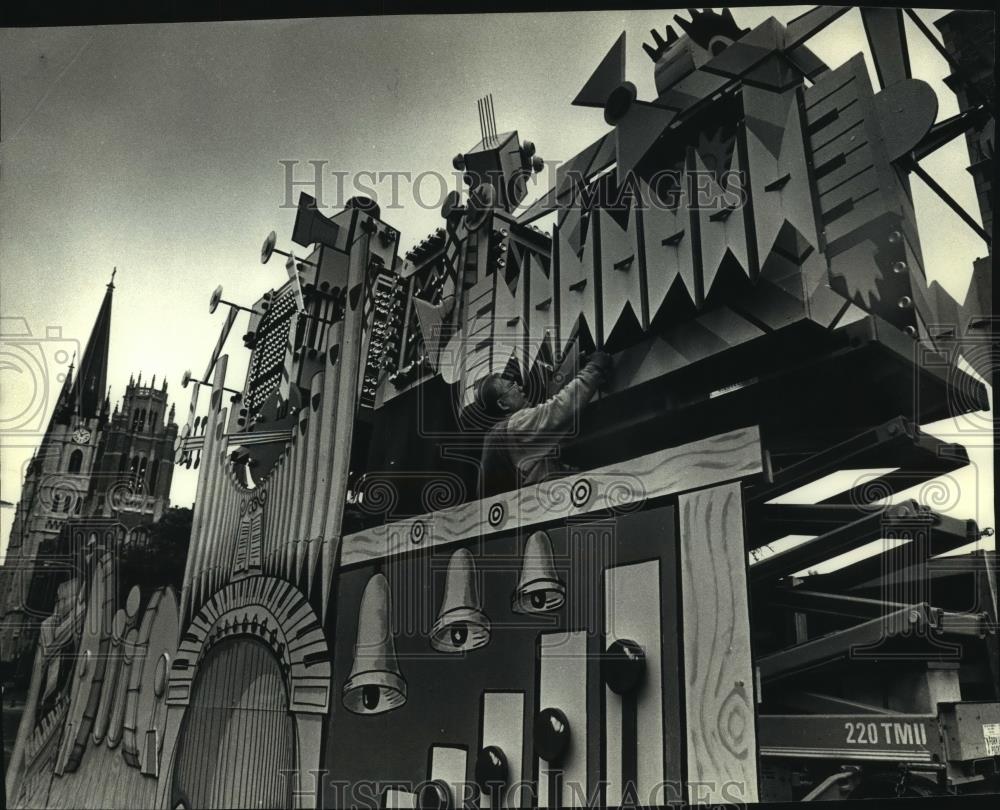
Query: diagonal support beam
point(906, 520)
point(856, 607)
point(951, 202)
point(943, 132)
point(918, 622)
point(836, 541)
point(770, 521)
point(896, 443)
point(811, 23)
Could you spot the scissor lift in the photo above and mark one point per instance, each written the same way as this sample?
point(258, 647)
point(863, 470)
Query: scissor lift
point(879, 678)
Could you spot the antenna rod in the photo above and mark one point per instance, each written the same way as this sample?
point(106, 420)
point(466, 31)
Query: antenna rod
point(237, 306)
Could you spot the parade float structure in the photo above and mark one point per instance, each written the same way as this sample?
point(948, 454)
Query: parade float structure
point(362, 623)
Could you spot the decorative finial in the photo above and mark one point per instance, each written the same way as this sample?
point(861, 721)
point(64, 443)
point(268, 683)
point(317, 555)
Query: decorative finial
point(111, 284)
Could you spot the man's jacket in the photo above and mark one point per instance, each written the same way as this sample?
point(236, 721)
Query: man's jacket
point(522, 448)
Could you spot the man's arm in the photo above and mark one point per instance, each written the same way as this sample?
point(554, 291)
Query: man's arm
point(557, 414)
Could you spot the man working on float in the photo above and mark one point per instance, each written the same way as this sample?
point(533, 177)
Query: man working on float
point(522, 447)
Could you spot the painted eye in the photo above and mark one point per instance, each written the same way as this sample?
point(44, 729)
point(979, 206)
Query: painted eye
point(370, 697)
point(538, 600)
point(459, 634)
point(718, 44)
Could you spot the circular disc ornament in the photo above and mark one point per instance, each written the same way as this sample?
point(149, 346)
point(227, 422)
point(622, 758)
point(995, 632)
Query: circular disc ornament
point(213, 302)
point(551, 735)
point(906, 111)
point(623, 666)
point(267, 249)
point(452, 203)
point(618, 102)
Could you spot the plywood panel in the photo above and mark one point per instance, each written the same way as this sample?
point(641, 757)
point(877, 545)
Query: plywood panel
point(621, 270)
point(449, 764)
point(577, 297)
point(503, 726)
point(718, 675)
point(562, 684)
point(632, 611)
point(396, 798)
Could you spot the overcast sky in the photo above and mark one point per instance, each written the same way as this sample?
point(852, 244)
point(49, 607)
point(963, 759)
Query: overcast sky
point(157, 149)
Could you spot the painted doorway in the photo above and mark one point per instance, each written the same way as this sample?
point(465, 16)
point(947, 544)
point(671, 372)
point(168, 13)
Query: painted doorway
point(238, 738)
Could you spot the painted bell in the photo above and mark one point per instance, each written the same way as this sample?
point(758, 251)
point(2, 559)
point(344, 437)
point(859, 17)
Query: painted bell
point(461, 624)
point(375, 684)
point(539, 590)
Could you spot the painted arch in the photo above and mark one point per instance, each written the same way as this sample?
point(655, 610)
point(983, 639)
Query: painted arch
point(272, 617)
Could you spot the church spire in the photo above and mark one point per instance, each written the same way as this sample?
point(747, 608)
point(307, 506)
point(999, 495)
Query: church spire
point(92, 372)
point(65, 401)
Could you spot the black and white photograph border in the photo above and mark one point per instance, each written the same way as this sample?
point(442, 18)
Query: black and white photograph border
point(425, 406)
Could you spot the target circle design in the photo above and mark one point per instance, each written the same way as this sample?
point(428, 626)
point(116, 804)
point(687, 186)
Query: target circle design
point(581, 492)
point(496, 514)
point(417, 532)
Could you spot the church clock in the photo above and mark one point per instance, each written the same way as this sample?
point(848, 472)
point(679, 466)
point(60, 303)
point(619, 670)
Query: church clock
point(81, 436)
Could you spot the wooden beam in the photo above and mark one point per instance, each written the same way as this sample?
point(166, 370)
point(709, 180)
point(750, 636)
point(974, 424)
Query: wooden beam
point(725, 457)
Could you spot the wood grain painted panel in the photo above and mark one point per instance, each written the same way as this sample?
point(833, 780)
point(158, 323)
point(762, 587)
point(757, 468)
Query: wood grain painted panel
point(719, 693)
point(731, 455)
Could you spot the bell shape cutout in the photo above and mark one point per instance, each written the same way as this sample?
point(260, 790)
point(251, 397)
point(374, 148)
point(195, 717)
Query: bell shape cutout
point(539, 589)
point(461, 624)
point(375, 684)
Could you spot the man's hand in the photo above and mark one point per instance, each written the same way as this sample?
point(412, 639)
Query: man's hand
point(602, 360)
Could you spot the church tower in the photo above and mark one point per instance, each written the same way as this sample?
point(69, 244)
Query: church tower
point(56, 482)
point(134, 466)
